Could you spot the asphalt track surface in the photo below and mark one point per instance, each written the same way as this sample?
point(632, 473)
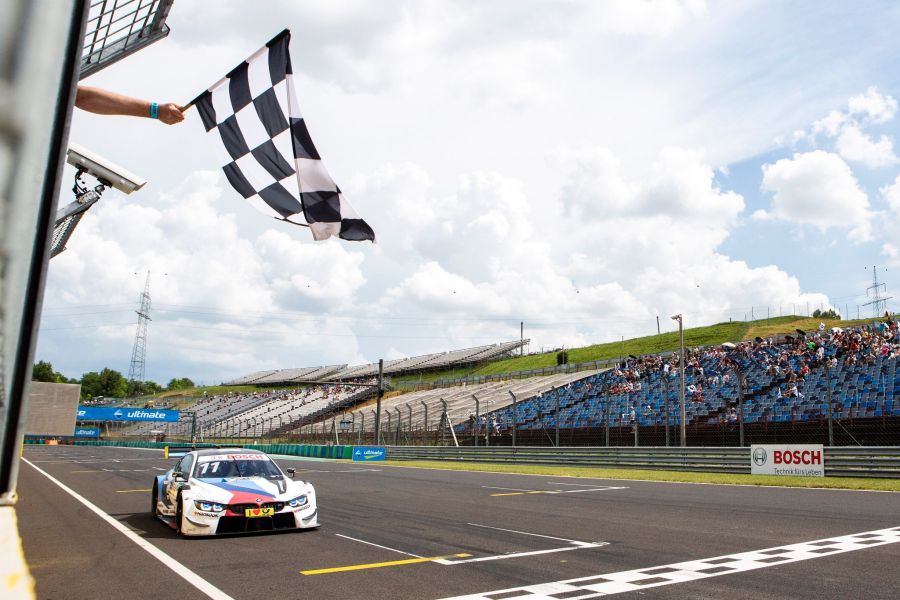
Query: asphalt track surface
point(403, 531)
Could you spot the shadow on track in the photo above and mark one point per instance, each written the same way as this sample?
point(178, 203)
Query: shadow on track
point(147, 526)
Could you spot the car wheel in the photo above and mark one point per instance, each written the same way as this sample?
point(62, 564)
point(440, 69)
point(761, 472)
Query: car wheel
point(154, 509)
point(179, 514)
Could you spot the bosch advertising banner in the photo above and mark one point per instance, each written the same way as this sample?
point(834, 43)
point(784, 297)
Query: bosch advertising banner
point(368, 453)
point(96, 413)
point(87, 432)
point(798, 460)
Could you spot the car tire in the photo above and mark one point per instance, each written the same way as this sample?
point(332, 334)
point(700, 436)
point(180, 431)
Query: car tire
point(179, 515)
point(154, 508)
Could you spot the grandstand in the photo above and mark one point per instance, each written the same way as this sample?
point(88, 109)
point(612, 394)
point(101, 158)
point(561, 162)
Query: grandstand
point(211, 409)
point(252, 377)
point(277, 413)
point(297, 375)
point(460, 403)
point(784, 385)
point(402, 366)
point(784, 382)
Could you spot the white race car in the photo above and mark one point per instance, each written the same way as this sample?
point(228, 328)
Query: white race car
point(214, 491)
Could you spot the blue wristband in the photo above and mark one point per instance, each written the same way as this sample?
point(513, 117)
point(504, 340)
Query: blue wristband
point(154, 110)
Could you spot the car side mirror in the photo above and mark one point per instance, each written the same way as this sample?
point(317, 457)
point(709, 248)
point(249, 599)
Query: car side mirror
point(177, 476)
point(291, 472)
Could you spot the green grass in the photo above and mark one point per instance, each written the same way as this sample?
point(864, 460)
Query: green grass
point(844, 483)
point(789, 325)
point(697, 336)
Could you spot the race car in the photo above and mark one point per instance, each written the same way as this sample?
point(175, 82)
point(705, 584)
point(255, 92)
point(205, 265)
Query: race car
point(216, 491)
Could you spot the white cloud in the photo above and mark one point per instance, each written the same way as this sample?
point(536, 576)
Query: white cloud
point(830, 125)
point(891, 193)
point(602, 261)
point(216, 295)
point(818, 189)
point(455, 130)
point(854, 145)
point(845, 129)
point(656, 17)
point(873, 105)
point(890, 224)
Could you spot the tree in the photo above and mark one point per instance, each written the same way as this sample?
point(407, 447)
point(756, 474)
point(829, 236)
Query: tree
point(105, 383)
point(43, 371)
point(826, 314)
point(180, 384)
point(142, 388)
point(562, 358)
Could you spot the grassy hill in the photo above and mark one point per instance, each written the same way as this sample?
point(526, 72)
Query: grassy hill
point(735, 331)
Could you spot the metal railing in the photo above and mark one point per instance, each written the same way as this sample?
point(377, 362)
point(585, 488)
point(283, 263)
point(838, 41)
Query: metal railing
point(881, 462)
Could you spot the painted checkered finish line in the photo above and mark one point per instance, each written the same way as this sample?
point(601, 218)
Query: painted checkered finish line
point(692, 570)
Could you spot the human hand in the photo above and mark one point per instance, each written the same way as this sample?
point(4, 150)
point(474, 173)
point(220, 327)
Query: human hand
point(170, 113)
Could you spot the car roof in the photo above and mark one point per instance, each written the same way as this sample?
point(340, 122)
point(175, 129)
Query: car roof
point(209, 451)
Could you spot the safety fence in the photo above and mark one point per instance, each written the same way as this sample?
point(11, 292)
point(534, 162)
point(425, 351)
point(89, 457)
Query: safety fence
point(305, 450)
point(881, 462)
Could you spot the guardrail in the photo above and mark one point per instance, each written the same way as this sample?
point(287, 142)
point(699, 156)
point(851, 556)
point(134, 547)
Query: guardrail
point(882, 462)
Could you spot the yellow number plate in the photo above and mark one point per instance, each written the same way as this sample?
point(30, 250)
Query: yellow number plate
point(259, 512)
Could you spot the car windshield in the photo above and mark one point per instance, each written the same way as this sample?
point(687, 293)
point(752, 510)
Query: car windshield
point(228, 467)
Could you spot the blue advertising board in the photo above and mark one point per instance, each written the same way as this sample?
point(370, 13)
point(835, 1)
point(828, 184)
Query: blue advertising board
point(368, 453)
point(97, 413)
point(87, 432)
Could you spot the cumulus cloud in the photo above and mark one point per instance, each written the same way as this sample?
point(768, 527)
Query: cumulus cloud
point(873, 105)
point(856, 146)
point(216, 294)
point(657, 17)
point(437, 119)
point(818, 189)
point(890, 225)
point(844, 128)
point(600, 260)
point(678, 184)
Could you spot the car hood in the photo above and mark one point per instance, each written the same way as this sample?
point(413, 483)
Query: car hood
point(254, 490)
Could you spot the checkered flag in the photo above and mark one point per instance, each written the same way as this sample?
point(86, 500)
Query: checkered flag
point(265, 148)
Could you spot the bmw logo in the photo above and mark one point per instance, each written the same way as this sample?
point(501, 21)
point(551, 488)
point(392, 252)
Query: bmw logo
point(759, 457)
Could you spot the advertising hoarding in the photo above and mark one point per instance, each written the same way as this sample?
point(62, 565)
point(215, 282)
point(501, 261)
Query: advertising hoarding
point(797, 460)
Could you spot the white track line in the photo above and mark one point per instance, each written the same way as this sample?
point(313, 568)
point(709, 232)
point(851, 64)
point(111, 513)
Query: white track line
point(547, 537)
point(604, 584)
point(347, 537)
point(574, 545)
point(179, 569)
point(589, 489)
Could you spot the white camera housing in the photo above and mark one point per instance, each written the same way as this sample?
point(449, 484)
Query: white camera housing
point(107, 172)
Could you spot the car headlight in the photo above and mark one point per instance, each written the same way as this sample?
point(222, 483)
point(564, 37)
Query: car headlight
point(298, 501)
point(209, 506)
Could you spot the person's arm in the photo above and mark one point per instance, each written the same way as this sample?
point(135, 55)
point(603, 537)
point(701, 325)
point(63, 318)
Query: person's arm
point(104, 102)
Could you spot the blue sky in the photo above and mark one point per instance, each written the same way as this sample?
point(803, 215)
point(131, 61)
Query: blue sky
point(580, 166)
